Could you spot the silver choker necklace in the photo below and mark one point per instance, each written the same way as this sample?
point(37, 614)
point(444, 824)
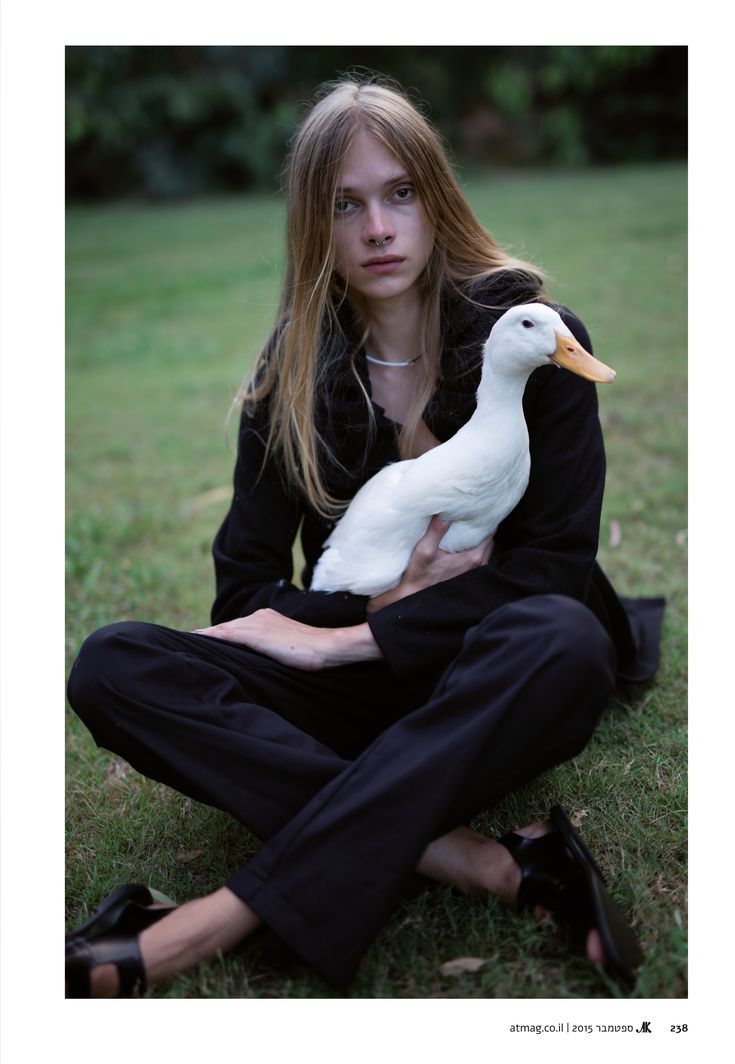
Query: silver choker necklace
point(397, 365)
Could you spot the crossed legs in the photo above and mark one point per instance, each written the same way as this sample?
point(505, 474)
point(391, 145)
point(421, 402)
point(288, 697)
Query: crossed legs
point(344, 833)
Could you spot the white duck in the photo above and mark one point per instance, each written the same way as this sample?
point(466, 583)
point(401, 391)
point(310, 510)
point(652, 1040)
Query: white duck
point(473, 480)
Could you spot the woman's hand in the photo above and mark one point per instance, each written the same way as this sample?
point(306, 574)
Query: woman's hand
point(430, 565)
point(301, 646)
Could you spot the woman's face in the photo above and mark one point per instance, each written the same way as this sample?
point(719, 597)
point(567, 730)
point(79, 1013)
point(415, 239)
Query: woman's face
point(382, 236)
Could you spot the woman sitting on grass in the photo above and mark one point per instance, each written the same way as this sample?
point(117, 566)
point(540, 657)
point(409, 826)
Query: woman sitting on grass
point(357, 736)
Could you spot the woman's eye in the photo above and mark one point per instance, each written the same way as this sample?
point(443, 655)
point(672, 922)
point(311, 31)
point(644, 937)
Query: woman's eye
point(403, 193)
point(342, 206)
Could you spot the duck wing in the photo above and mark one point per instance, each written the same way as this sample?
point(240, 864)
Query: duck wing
point(370, 546)
point(473, 481)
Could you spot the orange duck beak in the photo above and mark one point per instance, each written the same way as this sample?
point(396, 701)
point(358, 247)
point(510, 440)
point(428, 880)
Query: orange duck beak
point(572, 356)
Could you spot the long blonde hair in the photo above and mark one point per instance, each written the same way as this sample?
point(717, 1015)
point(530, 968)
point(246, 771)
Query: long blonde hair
point(288, 371)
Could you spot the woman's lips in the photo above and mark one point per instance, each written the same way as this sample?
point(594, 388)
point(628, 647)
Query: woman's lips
point(386, 264)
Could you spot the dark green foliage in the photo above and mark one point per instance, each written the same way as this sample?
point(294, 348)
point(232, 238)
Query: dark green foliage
point(575, 105)
point(167, 122)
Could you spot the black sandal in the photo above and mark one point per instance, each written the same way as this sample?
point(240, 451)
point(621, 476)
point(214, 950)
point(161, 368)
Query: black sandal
point(559, 873)
point(124, 953)
point(124, 912)
point(110, 936)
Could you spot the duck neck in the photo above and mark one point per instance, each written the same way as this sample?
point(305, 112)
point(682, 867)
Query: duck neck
point(500, 392)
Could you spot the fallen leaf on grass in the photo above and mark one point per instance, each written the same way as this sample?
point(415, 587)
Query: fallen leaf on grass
point(578, 816)
point(461, 965)
point(188, 855)
point(118, 770)
point(681, 537)
point(615, 534)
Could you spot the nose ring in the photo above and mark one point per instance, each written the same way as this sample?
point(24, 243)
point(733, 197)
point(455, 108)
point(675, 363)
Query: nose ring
point(379, 243)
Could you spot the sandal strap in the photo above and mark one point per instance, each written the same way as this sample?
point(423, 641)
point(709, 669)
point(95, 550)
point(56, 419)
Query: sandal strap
point(552, 879)
point(124, 953)
point(130, 970)
point(549, 874)
point(78, 982)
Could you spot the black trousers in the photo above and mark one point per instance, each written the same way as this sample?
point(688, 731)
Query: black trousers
point(348, 773)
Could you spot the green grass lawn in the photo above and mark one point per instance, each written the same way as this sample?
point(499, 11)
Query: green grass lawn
point(166, 307)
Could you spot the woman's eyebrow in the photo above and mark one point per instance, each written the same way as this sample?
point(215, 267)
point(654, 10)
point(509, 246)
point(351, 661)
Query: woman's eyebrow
point(396, 180)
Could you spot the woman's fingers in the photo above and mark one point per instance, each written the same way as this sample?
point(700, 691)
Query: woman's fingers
point(486, 550)
point(301, 646)
point(279, 637)
point(429, 545)
point(429, 564)
point(438, 525)
point(434, 534)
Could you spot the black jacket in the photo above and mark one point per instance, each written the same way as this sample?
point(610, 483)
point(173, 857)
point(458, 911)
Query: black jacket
point(546, 545)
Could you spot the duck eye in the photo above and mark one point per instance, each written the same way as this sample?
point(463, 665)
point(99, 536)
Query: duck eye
point(527, 324)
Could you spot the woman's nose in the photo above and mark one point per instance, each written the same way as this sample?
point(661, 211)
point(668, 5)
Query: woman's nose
point(378, 228)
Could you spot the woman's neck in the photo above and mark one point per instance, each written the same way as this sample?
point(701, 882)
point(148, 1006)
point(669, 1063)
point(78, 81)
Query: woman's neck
point(395, 329)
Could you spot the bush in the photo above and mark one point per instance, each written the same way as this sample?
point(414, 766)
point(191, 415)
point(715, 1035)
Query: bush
point(178, 121)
